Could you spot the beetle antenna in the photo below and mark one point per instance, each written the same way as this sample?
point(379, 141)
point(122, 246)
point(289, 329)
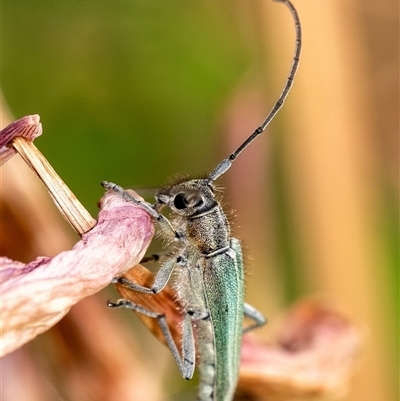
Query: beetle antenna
point(225, 164)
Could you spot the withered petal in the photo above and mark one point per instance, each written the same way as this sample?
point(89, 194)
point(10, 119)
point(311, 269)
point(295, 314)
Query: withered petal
point(314, 356)
point(28, 127)
point(37, 295)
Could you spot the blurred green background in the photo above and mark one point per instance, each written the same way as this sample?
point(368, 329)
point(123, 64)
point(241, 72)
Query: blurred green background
point(128, 91)
point(138, 91)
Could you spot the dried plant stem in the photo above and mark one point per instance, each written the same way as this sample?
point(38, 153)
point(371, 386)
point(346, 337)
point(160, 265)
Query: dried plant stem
point(69, 206)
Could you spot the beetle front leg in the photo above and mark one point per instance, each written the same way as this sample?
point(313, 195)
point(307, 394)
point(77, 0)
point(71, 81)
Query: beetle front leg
point(165, 224)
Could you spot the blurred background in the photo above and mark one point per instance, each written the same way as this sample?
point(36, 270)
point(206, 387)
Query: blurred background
point(138, 91)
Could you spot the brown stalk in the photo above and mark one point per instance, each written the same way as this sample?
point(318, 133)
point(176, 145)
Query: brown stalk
point(67, 203)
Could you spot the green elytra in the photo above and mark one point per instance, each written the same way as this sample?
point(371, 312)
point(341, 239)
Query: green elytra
point(208, 264)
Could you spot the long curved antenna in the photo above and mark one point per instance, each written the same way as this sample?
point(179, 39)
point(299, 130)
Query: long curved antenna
point(226, 163)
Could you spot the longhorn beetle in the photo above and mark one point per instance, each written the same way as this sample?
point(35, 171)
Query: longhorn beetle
point(209, 263)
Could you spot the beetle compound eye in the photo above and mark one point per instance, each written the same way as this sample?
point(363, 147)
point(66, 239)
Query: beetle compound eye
point(183, 201)
point(193, 199)
point(179, 201)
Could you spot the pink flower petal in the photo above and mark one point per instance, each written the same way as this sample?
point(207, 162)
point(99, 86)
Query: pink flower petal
point(28, 127)
point(37, 295)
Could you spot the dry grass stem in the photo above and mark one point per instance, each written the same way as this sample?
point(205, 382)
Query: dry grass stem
point(18, 137)
point(69, 206)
